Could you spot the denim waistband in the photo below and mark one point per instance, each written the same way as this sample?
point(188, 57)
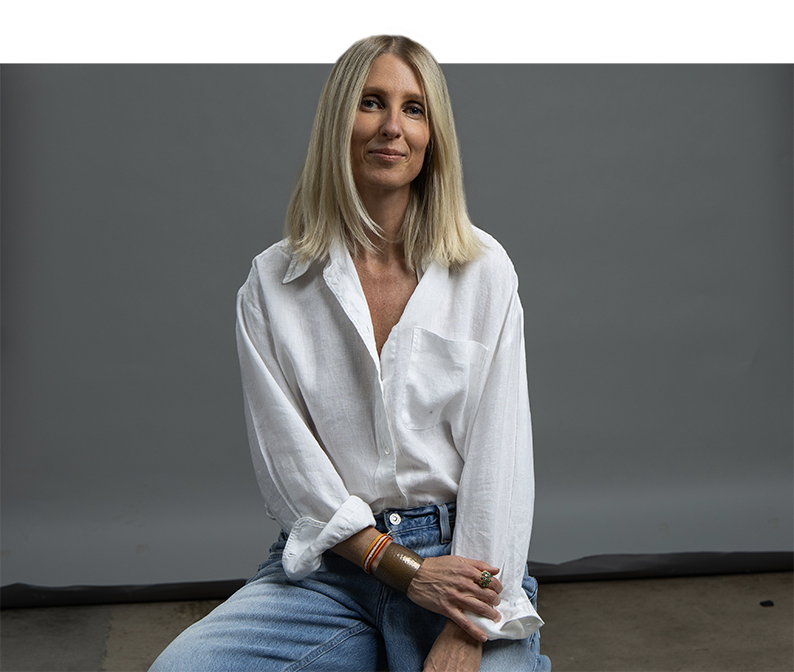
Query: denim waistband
point(400, 521)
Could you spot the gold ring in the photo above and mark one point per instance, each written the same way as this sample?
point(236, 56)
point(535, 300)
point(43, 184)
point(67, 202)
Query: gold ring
point(485, 579)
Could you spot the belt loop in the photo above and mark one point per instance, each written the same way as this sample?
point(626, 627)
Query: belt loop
point(446, 532)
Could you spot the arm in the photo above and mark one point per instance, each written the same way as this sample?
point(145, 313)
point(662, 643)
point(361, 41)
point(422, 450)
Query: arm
point(496, 494)
point(301, 487)
point(446, 585)
point(454, 651)
point(495, 500)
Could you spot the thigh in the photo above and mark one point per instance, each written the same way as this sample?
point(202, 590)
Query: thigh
point(408, 629)
point(409, 632)
point(274, 624)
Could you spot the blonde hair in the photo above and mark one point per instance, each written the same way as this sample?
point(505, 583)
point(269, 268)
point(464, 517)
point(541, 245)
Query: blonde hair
point(325, 205)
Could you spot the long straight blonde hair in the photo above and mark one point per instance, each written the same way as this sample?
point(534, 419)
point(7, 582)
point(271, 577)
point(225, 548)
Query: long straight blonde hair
point(325, 205)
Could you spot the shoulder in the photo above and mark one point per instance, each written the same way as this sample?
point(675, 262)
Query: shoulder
point(493, 267)
point(495, 254)
point(269, 267)
point(275, 260)
point(264, 283)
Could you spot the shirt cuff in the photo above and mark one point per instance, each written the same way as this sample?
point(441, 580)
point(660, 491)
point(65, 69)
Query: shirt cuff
point(519, 620)
point(310, 538)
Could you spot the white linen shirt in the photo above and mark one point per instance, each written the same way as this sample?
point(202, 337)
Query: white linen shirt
point(338, 434)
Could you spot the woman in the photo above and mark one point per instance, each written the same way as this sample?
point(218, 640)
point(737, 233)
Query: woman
point(382, 357)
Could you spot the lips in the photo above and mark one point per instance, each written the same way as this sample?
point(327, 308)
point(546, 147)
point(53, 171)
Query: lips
point(386, 151)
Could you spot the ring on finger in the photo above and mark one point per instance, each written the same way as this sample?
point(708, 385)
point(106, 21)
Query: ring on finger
point(485, 579)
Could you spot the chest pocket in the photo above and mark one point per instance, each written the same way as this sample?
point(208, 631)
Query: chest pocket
point(444, 378)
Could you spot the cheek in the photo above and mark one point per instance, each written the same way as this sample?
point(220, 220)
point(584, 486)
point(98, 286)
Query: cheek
point(417, 141)
point(421, 143)
point(359, 136)
point(422, 137)
point(355, 139)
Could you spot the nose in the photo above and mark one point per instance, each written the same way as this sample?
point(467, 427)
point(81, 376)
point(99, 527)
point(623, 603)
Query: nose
point(392, 124)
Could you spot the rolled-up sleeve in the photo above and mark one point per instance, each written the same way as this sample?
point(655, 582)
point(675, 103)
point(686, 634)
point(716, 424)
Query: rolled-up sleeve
point(300, 485)
point(496, 496)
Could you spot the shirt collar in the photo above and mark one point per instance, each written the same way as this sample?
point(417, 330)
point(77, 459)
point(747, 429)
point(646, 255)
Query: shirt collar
point(337, 252)
point(296, 268)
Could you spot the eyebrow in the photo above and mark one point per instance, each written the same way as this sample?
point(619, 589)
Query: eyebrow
point(369, 90)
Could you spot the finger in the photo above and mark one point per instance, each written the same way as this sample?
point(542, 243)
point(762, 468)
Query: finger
point(467, 626)
point(479, 603)
point(488, 595)
point(482, 566)
point(494, 584)
point(472, 604)
point(466, 588)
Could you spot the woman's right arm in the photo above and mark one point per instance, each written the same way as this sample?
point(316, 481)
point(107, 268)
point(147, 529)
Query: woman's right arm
point(300, 485)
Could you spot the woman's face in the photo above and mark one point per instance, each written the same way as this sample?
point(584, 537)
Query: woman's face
point(390, 133)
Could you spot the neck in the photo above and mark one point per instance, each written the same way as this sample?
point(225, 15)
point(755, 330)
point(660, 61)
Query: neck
point(387, 210)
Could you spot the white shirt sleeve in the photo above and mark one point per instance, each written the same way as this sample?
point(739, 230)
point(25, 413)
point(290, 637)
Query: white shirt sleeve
point(301, 488)
point(496, 496)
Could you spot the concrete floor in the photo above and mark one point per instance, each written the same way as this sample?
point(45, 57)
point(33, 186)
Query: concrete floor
point(702, 623)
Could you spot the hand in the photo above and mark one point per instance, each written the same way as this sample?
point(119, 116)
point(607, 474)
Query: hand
point(454, 651)
point(450, 585)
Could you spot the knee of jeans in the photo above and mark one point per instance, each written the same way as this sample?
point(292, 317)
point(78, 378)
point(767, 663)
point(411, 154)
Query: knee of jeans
point(187, 652)
point(159, 665)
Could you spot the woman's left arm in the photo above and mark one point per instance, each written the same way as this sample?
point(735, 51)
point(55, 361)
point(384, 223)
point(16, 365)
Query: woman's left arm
point(495, 500)
point(496, 493)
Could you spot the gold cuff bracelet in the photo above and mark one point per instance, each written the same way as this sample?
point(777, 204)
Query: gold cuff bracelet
point(397, 567)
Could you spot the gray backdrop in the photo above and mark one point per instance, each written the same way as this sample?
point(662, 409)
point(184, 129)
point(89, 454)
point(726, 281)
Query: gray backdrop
point(648, 210)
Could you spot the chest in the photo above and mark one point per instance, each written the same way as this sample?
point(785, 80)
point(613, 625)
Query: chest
point(387, 294)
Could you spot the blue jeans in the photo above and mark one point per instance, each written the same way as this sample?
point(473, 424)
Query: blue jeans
point(338, 618)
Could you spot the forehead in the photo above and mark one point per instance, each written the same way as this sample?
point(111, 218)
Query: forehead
point(391, 74)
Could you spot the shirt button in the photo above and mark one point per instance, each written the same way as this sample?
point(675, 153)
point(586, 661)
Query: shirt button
point(387, 450)
point(394, 518)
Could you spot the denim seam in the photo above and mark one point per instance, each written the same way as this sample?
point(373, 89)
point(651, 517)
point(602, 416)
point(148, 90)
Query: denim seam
point(385, 594)
point(535, 664)
point(325, 648)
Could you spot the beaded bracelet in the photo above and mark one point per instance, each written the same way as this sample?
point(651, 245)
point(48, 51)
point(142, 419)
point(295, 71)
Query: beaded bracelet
point(374, 550)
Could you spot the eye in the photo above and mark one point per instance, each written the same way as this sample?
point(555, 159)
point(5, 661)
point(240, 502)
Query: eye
point(415, 110)
point(369, 103)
